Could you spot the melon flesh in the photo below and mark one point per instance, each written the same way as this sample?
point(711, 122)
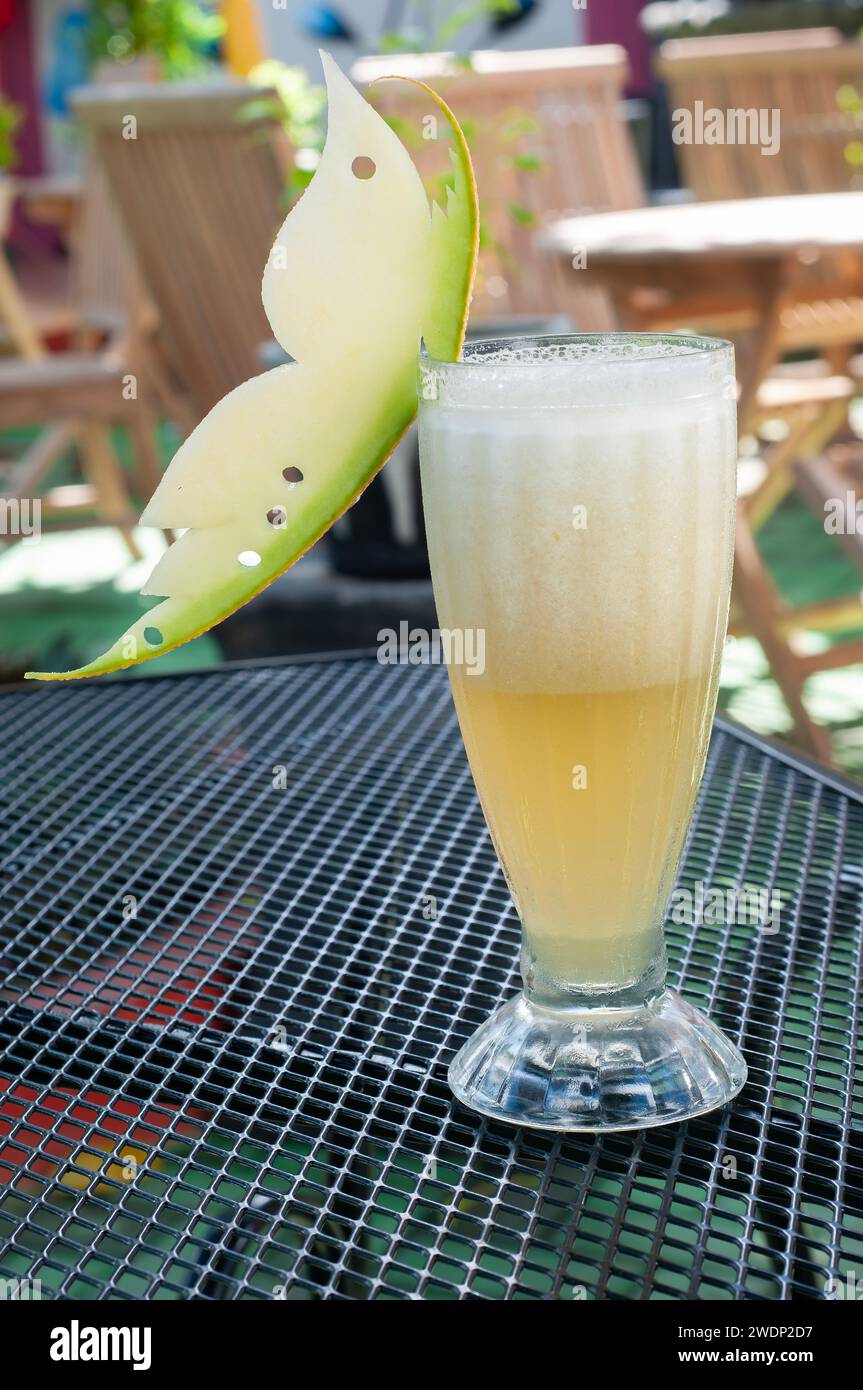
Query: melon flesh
point(361, 270)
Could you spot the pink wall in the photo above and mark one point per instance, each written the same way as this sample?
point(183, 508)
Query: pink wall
point(18, 83)
point(18, 79)
point(616, 21)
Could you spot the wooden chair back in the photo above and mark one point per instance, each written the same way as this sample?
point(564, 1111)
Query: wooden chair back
point(547, 138)
point(804, 75)
point(102, 270)
point(200, 194)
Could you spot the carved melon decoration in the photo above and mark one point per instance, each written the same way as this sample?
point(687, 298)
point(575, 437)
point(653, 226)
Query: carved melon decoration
point(361, 271)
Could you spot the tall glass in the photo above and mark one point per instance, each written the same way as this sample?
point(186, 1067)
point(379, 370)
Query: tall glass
point(579, 500)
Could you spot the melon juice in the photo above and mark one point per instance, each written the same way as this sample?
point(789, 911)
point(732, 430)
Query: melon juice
point(579, 504)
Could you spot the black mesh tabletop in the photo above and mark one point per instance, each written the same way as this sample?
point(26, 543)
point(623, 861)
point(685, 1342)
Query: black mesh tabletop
point(246, 919)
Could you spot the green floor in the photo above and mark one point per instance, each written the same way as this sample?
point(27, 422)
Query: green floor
point(66, 597)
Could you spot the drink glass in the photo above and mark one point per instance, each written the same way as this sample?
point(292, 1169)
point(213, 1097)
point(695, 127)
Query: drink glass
point(579, 497)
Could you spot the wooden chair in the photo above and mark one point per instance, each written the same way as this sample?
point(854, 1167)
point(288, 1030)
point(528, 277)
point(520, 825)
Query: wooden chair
point(19, 332)
point(802, 75)
point(44, 282)
point(197, 197)
point(547, 138)
point(200, 193)
point(78, 396)
point(798, 72)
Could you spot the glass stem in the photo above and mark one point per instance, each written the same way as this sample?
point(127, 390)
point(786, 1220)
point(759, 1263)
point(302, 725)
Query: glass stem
point(545, 991)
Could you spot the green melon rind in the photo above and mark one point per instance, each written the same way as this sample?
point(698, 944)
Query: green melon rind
point(178, 619)
point(452, 274)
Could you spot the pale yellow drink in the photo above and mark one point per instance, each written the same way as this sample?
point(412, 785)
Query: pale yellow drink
point(582, 518)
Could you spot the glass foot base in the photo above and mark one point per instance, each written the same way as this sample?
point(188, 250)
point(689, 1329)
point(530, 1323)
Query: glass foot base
point(597, 1069)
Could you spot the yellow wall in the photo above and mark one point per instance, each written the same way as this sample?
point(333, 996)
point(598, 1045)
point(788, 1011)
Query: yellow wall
point(243, 44)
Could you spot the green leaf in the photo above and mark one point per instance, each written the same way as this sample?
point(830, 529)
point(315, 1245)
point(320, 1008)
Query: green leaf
point(528, 162)
point(471, 14)
point(399, 43)
point(520, 123)
point(299, 105)
point(10, 119)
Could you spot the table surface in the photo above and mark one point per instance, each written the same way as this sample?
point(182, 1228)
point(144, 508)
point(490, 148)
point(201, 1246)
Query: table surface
point(246, 917)
point(752, 227)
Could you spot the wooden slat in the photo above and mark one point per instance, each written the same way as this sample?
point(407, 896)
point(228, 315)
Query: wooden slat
point(799, 73)
point(833, 658)
point(499, 69)
point(833, 615)
point(819, 482)
point(15, 315)
point(693, 57)
point(156, 106)
point(24, 477)
point(200, 194)
point(59, 388)
point(789, 393)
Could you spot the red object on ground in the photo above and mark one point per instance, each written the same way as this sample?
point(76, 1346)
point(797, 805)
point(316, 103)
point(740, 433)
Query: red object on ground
point(170, 974)
point(64, 1121)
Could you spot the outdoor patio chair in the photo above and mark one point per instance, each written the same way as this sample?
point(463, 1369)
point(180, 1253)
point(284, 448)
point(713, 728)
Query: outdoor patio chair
point(200, 192)
point(80, 395)
point(813, 78)
point(19, 330)
point(809, 75)
point(548, 139)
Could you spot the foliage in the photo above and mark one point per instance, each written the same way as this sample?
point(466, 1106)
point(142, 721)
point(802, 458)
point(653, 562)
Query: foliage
point(445, 33)
point(298, 105)
point(850, 104)
point(10, 119)
point(179, 33)
point(698, 18)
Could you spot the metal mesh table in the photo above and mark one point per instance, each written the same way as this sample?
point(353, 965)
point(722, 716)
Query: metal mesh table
point(248, 916)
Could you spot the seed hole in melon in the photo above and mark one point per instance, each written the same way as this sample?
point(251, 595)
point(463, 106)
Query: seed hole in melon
point(292, 476)
point(364, 167)
point(277, 517)
point(153, 637)
point(249, 558)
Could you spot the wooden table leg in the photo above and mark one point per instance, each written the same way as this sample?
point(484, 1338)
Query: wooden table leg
point(763, 609)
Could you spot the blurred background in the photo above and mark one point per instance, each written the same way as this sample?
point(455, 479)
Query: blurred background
point(130, 271)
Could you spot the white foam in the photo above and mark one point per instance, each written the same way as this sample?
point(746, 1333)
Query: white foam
point(637, 595)
point(582, 372)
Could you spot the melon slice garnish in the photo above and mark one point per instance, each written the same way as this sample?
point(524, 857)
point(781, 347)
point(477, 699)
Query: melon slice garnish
point(361, 270)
